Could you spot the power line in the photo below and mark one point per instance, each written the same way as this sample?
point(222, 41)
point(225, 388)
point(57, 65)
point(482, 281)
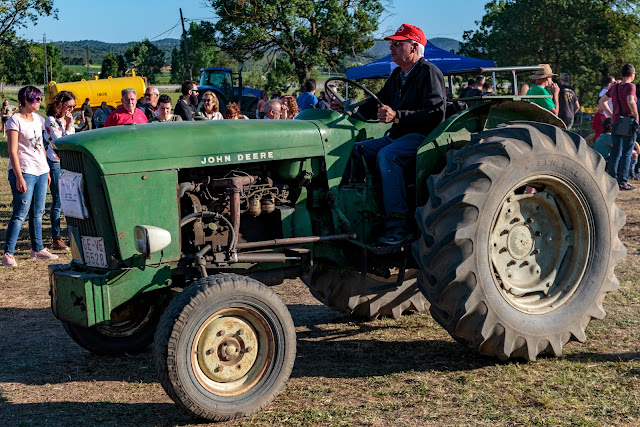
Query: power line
point(164, 32)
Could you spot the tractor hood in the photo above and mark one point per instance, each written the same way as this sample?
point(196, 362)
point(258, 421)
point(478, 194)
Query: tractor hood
point(160, 146)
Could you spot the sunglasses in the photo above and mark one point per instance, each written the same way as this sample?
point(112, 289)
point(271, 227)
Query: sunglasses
point(396, 43)
point(148, 94)
point(38, 99)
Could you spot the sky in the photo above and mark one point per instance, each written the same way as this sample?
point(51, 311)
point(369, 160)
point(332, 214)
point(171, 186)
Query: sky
point(124, 21)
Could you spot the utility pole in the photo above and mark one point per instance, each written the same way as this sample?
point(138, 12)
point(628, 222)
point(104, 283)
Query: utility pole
point(44, 48)
point(186, 46)
point(87, 59)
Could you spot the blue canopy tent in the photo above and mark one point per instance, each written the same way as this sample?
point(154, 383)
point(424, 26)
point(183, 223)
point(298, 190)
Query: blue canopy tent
point(445, 61)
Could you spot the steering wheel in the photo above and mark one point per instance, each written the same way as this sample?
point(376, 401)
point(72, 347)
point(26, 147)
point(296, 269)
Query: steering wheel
point(349, 106)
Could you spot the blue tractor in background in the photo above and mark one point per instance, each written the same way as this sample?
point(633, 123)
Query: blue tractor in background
point(222, 81)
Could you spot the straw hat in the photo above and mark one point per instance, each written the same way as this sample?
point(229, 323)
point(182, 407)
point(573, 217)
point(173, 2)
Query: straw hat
point(544, 73)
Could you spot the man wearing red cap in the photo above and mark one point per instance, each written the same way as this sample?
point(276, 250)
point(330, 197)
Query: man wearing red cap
point(414, 100)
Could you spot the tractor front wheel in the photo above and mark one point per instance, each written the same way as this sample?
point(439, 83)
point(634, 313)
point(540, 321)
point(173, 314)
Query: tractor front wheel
point(225, 347)
point(131, 331)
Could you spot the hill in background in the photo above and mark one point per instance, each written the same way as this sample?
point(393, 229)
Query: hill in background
point(75, 53)
point(381, 48)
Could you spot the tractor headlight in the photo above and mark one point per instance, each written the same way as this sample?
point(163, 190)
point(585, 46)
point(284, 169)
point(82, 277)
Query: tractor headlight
point(150, 239)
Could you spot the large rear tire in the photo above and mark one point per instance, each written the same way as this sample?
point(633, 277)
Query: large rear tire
point(225, 347)
point(519, 241)
point(369, 296)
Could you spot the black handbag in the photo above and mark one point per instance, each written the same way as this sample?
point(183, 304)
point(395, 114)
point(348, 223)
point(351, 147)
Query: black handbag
point(627, 125)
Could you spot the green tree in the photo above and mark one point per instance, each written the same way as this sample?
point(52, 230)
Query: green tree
point(585, 38)
point(19, 13)
point(23, 63)
point(308, 32)
point(280, 77)
point(202, 53)
point(146, 58)
point(113, 65)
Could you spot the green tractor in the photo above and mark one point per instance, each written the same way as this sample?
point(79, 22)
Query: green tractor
point(178, 229)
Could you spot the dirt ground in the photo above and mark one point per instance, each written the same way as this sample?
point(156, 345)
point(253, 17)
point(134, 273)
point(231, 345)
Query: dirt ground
point(384, 372)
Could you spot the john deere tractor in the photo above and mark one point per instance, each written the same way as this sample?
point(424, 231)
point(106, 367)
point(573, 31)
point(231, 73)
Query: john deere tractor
point(178, 229)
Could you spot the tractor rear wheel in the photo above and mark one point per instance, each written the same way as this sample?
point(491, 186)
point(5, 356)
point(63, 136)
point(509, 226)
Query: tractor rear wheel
point(519, 240)
point(225, 347)
point(369, 296)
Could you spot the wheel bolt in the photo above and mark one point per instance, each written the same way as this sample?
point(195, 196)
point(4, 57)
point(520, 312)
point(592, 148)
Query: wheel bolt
point(535, 252)
point(248, 349)
point(240, 332)
point(525, 263)
point(529, 220)
point(218, 369)
point(503, 250)
point(220, 333)
point(538, 234)
point(504, 232)
point(512, 262)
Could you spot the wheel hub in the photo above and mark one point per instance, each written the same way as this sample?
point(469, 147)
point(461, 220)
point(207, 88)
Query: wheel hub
point(528, 244)
point(520, 241)
point(227, 349)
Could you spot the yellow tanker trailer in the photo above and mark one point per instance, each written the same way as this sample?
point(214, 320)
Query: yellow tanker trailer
point(98, 91)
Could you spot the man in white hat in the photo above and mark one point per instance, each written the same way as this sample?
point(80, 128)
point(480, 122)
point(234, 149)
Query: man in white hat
point(544, 85)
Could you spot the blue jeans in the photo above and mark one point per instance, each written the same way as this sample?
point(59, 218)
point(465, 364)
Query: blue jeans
point(632, 168)
point(56, 206)
point(620, 157)
point(391, 157)
point(36, 193)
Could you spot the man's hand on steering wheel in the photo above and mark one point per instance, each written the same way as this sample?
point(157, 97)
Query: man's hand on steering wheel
point(386, 114)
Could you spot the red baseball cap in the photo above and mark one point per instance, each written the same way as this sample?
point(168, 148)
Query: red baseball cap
point(409, 32)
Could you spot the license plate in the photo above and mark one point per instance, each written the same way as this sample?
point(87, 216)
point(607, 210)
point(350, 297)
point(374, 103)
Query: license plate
point(94, 253)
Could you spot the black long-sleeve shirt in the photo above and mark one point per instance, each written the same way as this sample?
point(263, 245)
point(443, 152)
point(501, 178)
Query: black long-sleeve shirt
point(420, 103)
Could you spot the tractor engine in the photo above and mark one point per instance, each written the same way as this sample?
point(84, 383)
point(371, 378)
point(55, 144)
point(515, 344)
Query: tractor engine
point(237, 207)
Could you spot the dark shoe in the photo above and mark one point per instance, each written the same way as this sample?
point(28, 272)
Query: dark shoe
point(59, 245)
point(626, 187)
point(396, 236)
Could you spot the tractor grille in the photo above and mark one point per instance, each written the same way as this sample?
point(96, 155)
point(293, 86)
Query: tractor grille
point(74, 161)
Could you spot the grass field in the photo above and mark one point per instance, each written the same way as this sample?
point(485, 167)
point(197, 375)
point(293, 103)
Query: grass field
point(405, 372)
point(83, 69)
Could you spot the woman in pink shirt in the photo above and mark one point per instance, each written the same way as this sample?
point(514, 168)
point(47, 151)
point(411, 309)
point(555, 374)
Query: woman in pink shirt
point(28, 175)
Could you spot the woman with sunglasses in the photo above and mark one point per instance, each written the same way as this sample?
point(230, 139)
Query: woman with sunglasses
point(59, 123)
point(210, 107)
point(289, 107)
point(28, 175)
